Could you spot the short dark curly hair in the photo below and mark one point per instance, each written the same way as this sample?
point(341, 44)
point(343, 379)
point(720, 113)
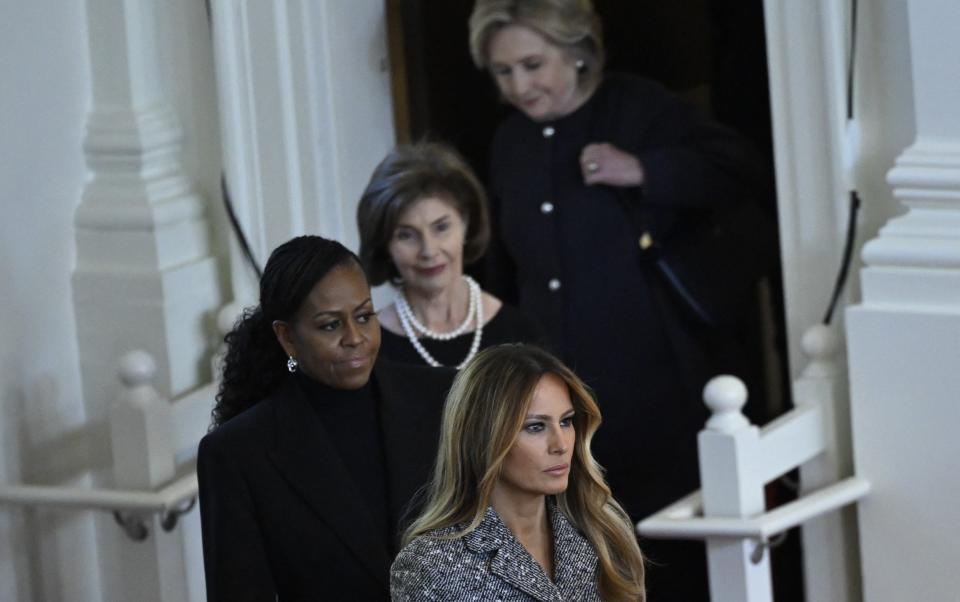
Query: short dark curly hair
point(407, 174)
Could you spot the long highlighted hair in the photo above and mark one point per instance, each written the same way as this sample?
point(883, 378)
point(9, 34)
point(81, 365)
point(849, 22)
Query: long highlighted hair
point(483, 416)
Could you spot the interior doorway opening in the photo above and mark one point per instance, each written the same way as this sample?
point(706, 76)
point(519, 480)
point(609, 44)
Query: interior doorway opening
point(712, 53)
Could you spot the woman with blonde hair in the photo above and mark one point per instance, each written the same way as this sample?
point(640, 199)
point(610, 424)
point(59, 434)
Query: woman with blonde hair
point(518, 506)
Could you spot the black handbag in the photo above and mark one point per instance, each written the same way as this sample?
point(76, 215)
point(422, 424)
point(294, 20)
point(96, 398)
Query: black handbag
point(710, 264)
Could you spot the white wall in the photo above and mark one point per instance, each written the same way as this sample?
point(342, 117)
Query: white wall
point(186, 61)
point(904, 335)
point(45, 75)
point(45, 435)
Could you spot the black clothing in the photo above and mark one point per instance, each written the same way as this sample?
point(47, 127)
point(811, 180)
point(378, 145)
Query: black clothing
point(507, 326)
point(353, 421)
point(283, 514)
point(569, 256)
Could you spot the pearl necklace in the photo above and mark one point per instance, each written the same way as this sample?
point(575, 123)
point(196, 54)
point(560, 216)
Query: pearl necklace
point(474, 295)
point(411, 325)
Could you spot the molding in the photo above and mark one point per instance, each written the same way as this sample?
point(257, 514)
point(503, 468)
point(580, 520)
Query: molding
point(139, 201)
point(814, 155)
point(817, 157)
point(904, 338)
point(929, 170)
point(297, 81)
point(145, 277)
point(926, 179)
point(915, 258)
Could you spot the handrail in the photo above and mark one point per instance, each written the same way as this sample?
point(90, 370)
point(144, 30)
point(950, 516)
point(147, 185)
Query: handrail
point(737, 459)
point(150, 437)
point(168, 498)
point(130, 507)
point(684, 519)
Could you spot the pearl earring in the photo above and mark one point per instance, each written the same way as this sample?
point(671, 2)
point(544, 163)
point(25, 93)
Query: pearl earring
point(580, 65)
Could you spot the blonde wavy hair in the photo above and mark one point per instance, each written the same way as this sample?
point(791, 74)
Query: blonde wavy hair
point(483, 416)
point(571, 25)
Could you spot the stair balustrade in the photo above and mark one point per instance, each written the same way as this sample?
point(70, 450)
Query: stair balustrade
point(737, 459)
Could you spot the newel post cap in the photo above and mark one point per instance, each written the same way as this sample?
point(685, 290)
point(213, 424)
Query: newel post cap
point(726, 395)
point(227, 317)
point(820, 342)
point(137, 368)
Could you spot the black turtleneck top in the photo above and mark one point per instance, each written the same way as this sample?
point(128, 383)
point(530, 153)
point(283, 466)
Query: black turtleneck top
point(352, 420)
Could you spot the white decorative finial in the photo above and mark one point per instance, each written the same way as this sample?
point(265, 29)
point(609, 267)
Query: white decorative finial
point(726, 395)
point(137, 368)
point(227, 317)
point(820, 342)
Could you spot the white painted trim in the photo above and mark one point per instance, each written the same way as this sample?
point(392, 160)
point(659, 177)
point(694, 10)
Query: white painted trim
point(812, 154)
point(684, 518)
point(303, 119)
point(170, 497)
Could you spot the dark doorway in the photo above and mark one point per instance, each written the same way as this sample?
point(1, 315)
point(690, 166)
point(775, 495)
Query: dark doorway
point(710, 52)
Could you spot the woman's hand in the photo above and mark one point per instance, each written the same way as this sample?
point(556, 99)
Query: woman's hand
point(604, 163)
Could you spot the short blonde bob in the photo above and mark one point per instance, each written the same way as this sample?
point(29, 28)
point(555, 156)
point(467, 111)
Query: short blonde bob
point(483, 416)
point(571, 25)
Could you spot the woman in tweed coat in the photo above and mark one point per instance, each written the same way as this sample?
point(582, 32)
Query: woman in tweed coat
point(517, 508)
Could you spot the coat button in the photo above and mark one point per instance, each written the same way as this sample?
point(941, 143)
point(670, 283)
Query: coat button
point(546, 207)
point(553, 285)
point(645, 241)
point(548, 131)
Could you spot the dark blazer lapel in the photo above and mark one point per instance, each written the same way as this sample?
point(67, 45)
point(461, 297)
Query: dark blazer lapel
point(511, 562)
point(309, 462)
point(411, 407)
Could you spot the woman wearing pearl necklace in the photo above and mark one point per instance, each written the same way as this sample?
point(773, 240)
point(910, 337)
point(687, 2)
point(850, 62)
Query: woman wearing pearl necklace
point(421, 218)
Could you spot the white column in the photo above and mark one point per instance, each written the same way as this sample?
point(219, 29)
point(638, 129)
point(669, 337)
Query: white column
point(144, 276)
point(904, 341)
point(813, 154)
point(143, 259)
point(306, 114)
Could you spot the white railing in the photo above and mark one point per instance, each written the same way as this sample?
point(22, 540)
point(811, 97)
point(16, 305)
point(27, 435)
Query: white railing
point(737, 459)
point(153, 445)
point(150, 438)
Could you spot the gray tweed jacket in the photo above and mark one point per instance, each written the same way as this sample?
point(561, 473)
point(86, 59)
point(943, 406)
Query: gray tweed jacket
point(490, 564)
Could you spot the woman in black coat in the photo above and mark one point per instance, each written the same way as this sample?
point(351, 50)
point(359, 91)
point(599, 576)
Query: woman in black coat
point(317, 448)
point(589, 175)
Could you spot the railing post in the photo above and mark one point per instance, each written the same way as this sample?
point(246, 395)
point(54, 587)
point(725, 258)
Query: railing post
point(739, 569)
point(151, 559)
point(831, 563)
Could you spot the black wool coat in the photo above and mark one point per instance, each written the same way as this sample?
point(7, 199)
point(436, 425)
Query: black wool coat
point(282, 517)
point(567, 254)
